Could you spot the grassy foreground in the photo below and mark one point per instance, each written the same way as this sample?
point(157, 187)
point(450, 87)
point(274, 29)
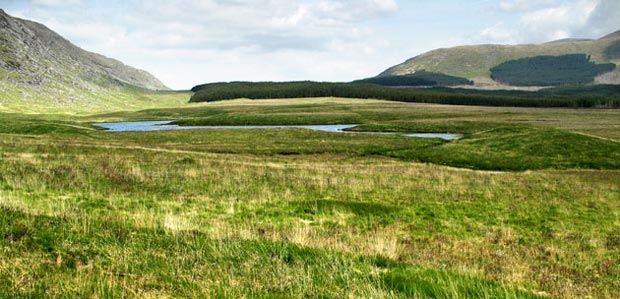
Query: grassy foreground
point(299, 214)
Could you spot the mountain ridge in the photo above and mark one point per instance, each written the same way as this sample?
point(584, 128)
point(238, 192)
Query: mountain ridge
point(615, 34)
point(474, 62)
point(42, 72)
point(39, 52)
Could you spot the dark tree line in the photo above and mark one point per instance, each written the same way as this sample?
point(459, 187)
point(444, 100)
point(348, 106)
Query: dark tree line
point(419, 78)
point(613, 51)
point(595, 96)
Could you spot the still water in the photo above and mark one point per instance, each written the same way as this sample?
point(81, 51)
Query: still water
point(162, 125)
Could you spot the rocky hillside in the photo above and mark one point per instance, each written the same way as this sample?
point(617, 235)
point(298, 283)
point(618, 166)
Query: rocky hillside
point(38, 66)
point(475, 62)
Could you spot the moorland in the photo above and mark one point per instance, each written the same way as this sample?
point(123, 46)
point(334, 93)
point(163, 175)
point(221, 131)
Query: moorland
point(525, 205)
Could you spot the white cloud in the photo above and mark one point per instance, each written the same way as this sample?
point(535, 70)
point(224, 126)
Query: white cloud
point(604, 19)
point(559, 22)
point(293, 19)
point(499, 33)
point(525, 5)
point(386, 5)
point(542, 21)
point(56, 3)
point(195, 41)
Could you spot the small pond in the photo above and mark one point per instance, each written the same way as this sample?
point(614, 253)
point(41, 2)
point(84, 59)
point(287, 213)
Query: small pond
point(162, 125)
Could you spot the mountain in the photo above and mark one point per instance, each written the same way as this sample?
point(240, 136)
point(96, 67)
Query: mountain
point(475, 62)
point(40, 68)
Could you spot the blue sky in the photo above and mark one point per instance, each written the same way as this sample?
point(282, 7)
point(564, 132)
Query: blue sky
point(188, 42)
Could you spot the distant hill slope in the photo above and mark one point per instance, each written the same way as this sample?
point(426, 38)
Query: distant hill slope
point(475, 62)
point(38, 67)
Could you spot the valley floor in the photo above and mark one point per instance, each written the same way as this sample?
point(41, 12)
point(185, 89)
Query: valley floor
point(526, 205)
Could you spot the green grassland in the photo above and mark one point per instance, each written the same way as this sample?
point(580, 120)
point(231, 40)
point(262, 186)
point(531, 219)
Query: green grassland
point(61, 98)
point(525, 205)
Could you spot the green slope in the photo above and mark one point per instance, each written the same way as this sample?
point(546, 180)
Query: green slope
point(475, 62)
point(65, 100)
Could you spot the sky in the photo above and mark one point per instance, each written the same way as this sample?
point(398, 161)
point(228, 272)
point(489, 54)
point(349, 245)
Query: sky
point(189, 42)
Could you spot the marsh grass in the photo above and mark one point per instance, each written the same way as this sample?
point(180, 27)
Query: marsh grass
point(376, 115)
point(226, 214)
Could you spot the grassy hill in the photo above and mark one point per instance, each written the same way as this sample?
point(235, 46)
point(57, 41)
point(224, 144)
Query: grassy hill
point(475, 62)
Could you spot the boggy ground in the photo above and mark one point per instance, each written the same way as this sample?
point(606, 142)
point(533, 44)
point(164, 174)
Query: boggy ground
point(293, 213)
